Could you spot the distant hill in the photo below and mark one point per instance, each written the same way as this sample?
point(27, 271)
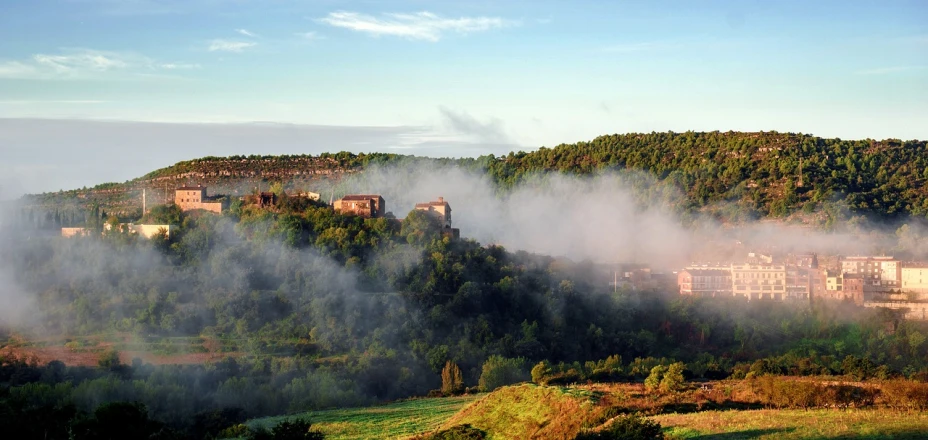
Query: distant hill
point(734, 176)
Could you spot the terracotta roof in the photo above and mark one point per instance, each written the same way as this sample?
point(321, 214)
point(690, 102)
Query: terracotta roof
point(361, 197)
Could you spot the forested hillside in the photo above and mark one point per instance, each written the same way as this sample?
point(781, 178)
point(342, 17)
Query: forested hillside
point(733, 176)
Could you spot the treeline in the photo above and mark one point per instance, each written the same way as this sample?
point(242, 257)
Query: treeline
point(751, 175)
point(734, 176)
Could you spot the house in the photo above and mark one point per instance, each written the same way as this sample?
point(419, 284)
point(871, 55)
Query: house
point(147, 231)
point(190, 198)
point(705, 282)
point(441, 210)
point(362, 205)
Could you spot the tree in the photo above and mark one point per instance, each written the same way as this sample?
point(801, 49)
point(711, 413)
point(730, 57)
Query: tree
point(673, 378)
point(499, 371)
point(109, 360)
point(653, 381)
point(452, 381)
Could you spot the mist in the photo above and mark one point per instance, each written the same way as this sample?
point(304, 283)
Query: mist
point(610, 217)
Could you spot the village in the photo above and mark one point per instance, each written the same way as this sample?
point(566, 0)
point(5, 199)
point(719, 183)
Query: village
point(196, 198)
point(867, 281)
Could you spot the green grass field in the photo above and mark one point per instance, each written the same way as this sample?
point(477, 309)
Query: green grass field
point(796, 424)
point(392, 421)
point(528, 411)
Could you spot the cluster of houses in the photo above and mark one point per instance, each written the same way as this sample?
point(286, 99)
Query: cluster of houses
point(192, 198)
point(869, 281)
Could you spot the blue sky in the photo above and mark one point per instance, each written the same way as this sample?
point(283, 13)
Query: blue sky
point(461, 78)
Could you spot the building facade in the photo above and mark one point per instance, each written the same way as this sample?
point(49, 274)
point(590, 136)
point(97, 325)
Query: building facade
point(362, 205)
point(190, 198)
point(705, 282)
point(756, 281)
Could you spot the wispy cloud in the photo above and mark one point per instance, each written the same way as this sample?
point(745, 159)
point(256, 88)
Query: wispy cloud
point(246, 33)
point(416, 26)
point(79, 63)
point(179, 66)
point(890, 70)
point(220, 45)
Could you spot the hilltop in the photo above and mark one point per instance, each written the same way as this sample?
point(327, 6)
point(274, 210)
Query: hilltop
point(733, 176)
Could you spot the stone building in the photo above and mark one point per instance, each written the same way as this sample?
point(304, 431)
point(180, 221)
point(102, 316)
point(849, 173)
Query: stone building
point(705, 282)
point(189, 198)
point(441, 210)
point(362, 205)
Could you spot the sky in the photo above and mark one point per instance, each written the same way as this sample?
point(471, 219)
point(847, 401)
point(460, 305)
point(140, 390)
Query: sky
point(94, 91)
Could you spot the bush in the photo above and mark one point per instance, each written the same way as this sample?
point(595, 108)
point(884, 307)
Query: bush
point(540, 373)
point(460, 432)
point(499, 371)
point(299, 429)
point(630, 427)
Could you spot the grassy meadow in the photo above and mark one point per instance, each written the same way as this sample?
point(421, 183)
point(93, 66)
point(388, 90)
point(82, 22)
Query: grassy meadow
point(392, 421)
point(530, 411)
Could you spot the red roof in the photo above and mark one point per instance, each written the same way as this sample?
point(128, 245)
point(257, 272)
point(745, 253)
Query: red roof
point(361, 197)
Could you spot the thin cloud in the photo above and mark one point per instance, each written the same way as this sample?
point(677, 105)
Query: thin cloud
point(890, 70)
point(416, 26)
point(80, 63)
point(82, 60)
point(246, 33)
point(220, 45)
point(179, 66)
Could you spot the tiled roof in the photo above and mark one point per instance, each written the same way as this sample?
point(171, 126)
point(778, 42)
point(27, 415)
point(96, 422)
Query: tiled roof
point(361, 197)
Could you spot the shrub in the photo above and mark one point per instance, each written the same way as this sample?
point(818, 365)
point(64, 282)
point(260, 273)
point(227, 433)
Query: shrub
point(540, 373)
point(460, 432)
point(630, 427)
point(299, 429)
point(499, 371)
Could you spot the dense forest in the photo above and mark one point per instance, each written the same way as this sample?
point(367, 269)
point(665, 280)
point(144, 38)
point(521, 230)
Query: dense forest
point(315, 309)
point(734, 176)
